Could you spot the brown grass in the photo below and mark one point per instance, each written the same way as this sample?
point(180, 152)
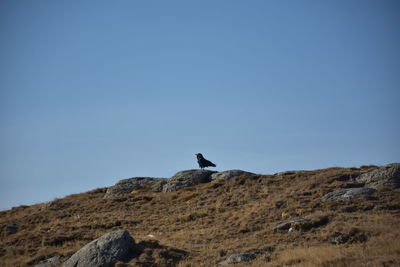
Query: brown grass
point(205, 224)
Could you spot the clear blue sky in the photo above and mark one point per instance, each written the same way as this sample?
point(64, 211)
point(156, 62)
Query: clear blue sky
point(92, 92)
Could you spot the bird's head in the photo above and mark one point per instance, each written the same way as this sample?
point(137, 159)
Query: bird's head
point(199, 155)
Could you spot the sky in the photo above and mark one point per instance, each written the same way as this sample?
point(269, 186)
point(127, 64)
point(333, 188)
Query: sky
point(92, 92)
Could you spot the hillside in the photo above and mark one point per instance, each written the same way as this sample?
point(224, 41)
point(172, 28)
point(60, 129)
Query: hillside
point(204, 224)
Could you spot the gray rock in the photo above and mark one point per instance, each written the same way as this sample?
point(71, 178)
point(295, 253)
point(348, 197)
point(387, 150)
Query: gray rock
point(286, 225)
point(228, 174)
point(346, 194)
point(341, 239)
point(46, 206)
point(51, 262)
point(353, 236)
point(12, 228)
point(239, 257)
point(187, 178)
point(104, 251)
point(158, 186)
point(386, 176)
point(128, 185)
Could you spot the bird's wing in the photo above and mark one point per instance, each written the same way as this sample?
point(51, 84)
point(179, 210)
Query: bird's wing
point(209, 163)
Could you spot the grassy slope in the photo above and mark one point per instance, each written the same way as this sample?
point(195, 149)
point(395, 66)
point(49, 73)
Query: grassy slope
point(211, 221)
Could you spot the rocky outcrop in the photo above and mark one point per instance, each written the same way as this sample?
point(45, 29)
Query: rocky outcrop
point(187, 178)
point(387, 176)
point(104, 251)
point(128, 185)
point(228, 174)
point(346, 194)
point(239, 257)
point(158, 186)
point(179, 180)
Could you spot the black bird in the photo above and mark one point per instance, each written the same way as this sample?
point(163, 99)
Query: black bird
point(203, 162)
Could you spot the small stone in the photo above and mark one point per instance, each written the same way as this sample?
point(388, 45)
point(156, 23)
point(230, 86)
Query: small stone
point(239, 257)
point(341, 239)
point(12, 228)
point(288, 224)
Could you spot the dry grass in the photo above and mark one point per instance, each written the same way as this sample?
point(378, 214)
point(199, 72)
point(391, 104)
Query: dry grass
point(211, 221)
point(377, 252)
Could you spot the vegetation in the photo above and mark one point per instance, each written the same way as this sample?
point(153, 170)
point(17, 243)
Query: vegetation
point(211, 221)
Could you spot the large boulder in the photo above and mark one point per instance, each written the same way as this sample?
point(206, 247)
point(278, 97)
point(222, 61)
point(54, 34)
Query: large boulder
point(346, 193)
point(386, 176)
point(104, 251)
point(187, 178)
point(126, 186)
point(228, 174)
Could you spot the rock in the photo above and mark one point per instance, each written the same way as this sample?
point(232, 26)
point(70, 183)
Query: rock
point(341, 239)
point(353, 236)
point(287, 225)
point(386, 176)
point(51, 262)
point(239, 257)
point(47, 206)
point(128, 185)
point(158, 186)
point(228, 174)
point(346, 194)
point(11, 228)
point(187, 178)
point(104, 251)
